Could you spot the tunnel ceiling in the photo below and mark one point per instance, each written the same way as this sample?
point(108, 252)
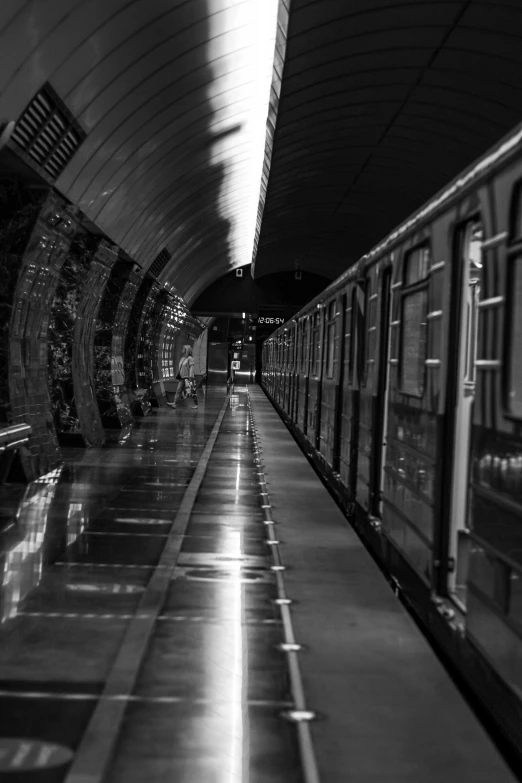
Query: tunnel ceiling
point(167, 93)
point(381, 104)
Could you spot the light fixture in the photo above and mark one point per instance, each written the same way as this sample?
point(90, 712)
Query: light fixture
point(298, 716)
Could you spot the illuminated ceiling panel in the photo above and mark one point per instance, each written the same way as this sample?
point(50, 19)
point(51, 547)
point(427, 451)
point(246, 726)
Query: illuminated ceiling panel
point(173, 97)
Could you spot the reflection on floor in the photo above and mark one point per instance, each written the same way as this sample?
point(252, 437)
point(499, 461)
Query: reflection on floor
point(79, 560)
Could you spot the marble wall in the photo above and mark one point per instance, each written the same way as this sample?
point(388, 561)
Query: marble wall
point(83, 343)
point(123, 395)
point(34, 292)
point(63, 315)
point(85, 334)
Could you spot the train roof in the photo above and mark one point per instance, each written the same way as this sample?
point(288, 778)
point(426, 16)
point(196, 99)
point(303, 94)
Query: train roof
point(497, 155)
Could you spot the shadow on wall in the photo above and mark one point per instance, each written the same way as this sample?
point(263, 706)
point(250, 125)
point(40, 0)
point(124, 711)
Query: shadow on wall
point(200, 239)
point(201, 235)
point(198, 233)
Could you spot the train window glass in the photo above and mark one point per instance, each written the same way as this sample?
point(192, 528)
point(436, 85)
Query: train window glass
point(417, 264)
point(331, 334)
point(316, 346)
point(517, 214)
point(304, 341)
point(514, 363)
point(414, 341)
point(353, 317)
point(301, 359)
point(414, 321)
point(473, 259)
point(366, 324)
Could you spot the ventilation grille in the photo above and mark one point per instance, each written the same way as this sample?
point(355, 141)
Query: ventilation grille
point(47, 133)
point(160, 262)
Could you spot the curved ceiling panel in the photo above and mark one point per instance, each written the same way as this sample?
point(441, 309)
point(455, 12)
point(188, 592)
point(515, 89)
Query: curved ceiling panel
point(382, 102)
point(173, 97)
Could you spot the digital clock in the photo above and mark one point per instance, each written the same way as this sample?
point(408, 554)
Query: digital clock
point(267, 319)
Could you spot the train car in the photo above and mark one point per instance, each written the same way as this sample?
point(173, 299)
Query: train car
point(409, 403)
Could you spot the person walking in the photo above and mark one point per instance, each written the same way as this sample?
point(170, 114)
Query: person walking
point(185, 378)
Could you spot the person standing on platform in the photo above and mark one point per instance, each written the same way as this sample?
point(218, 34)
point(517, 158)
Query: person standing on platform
point(185, 378)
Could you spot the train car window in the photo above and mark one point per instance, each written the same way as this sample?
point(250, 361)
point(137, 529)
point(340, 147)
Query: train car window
point(306, 341)
point(417, 265)
point(353, 328)
point(331, 334)
point(365, 335)
point(414, 322)
point(514, 374)
point(316, 345)
point(516, 215)
point(473, 259)
point(299, 346)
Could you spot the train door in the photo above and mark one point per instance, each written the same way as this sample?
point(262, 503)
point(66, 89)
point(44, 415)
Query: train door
point(328, 404)
point(365, 373)
point(314, 378)
point(284, 374)
point(304, 373)
point(349, 406)
point(460, 395)
point(297, 368)
point(341, 386)
point(380, 407)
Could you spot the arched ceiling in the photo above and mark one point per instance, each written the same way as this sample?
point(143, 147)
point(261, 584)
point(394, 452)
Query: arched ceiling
point(382, 102)
point(172, 95)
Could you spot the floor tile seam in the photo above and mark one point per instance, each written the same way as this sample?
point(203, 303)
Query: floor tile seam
point(98, 742)
point(133, 698)
point(129, 616)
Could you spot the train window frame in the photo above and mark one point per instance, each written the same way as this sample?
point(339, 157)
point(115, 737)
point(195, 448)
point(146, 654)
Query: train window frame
point(330, 338)
point(306, 341)
point(410, 288)
point(315, 369)
point(514, 255)
point(352, 360)
point(365, 338)
point(515, 214)
point(513, 320)
point(299, 346)
point(295, 350)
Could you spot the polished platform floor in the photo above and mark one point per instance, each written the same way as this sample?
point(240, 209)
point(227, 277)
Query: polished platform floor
point(144, 636)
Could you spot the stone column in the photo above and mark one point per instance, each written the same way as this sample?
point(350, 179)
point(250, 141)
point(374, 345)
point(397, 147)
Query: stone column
point(122, 394)
point(28, 345)
point(83, 344)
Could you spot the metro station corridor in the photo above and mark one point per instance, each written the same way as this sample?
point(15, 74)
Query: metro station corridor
point(308, 213)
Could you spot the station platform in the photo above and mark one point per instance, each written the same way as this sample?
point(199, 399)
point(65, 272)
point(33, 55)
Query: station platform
point(188, 603)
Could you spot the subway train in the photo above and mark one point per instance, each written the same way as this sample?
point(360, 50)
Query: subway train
point(402, 382)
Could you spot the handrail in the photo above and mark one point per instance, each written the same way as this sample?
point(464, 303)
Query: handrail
point(14, 436)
